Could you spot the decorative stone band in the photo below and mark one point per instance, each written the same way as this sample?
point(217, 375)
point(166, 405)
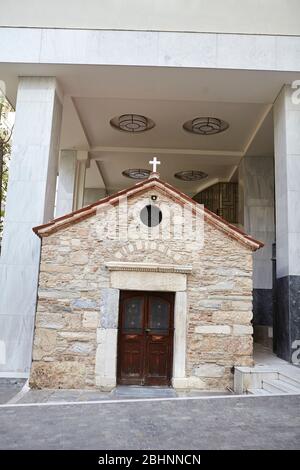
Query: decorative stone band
point(148, 267)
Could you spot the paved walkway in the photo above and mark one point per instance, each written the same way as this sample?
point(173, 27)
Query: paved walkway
point(12, 393)
point(265, 358)
point(9, 388)
point(193, 423)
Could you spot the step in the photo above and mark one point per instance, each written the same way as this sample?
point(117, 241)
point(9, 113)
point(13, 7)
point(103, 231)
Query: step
point(257, 391)
point(290, 380)
point(278, 386)
point(132, 391)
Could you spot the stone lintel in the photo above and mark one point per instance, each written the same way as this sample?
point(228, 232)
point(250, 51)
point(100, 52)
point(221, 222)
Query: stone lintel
point(148, 281)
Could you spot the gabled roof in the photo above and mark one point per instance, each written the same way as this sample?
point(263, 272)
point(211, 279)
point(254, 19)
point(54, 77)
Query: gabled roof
point(154, 182)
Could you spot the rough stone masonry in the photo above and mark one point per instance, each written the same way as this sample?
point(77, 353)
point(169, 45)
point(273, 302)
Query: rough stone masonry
point(74, 280)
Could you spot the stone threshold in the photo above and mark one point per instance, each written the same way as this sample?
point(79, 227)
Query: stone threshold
point(120, 393)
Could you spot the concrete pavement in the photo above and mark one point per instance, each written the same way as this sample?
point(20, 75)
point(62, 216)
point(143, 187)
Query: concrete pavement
point(188, 423)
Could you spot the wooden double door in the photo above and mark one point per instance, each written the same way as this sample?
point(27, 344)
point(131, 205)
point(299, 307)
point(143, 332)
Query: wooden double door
point(145, 341)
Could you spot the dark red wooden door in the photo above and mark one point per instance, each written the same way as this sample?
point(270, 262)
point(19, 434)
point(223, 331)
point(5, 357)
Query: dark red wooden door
point(145, 344)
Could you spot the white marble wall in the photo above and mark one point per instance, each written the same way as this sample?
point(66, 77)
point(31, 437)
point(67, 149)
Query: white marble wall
point(30, 201)
point(256, 210)
point(287, 176)
point(230, 16)
point(150, 48)
point(66, 182)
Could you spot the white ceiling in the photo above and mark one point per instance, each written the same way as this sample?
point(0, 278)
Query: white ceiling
point(263, 143)
point(169, 96)
point(113, 163)
point(250, 131)
point(168, 83)
point(169, 116)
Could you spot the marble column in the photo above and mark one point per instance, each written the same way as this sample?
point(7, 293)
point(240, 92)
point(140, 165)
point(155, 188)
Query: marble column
point(287, 178)
point(71, 181)
point(30, 202)
point(107, 338)
point(179, 355)
point(256, 214)
point(81, 166)
point(66, 182)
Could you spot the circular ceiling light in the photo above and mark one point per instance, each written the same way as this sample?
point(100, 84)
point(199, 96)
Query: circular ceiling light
point(206, 125)
point(136, 173)
point(191, 175)
point(132, 123)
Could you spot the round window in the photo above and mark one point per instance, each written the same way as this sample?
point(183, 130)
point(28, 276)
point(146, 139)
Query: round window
point(151, 215)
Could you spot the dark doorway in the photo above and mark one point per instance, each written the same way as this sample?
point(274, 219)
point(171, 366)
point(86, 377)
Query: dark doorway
point(145, 342)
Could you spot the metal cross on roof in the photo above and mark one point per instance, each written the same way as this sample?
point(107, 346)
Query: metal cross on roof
point(154, 162)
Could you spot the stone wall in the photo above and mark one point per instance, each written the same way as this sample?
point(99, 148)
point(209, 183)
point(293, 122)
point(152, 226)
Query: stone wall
point(73, 284)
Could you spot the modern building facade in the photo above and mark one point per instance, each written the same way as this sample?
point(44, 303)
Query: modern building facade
point(102, 87)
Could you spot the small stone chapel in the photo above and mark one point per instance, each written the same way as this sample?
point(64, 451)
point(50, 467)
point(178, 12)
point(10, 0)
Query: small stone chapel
point(127, 297)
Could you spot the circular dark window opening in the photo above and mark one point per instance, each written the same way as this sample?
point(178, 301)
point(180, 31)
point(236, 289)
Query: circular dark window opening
point(151, 215)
